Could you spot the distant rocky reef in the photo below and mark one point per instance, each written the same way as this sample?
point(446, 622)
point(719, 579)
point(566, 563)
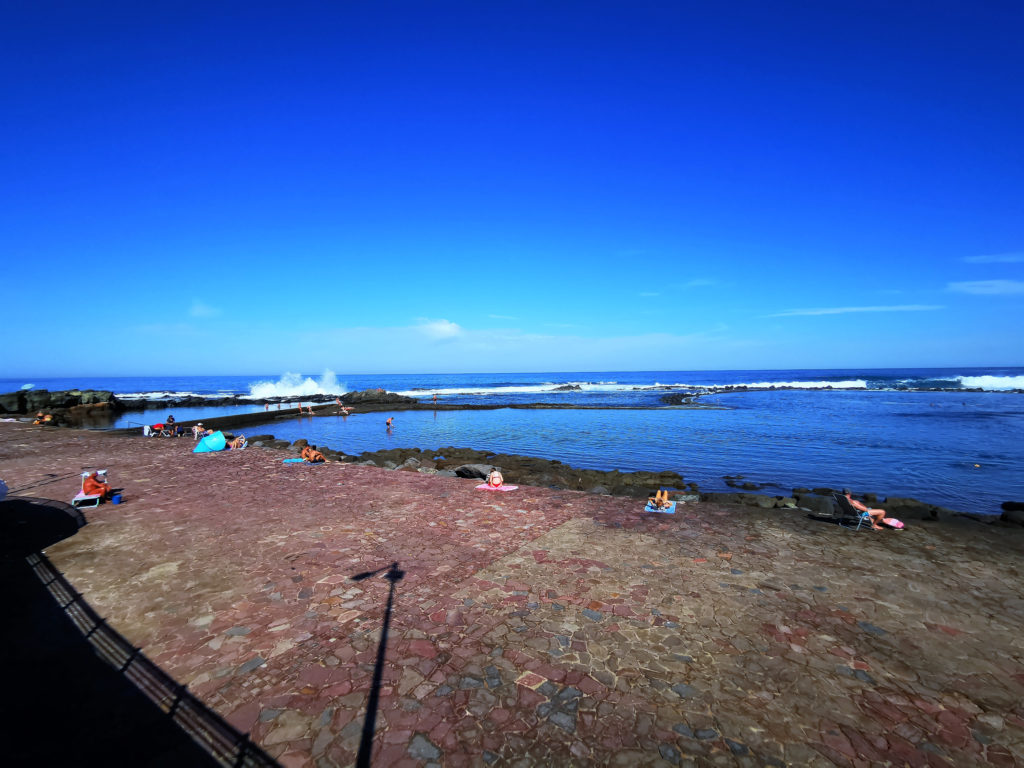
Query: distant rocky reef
point(92, 407)
point(69, 407)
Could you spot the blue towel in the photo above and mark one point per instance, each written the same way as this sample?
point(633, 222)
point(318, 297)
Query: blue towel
point(293, 461)
point(670, 510)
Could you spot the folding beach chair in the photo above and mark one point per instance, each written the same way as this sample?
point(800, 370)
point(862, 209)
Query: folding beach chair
point(82, 499)
point(848, 513)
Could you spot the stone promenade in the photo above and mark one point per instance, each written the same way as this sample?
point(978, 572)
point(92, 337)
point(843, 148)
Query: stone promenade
point(540, 627)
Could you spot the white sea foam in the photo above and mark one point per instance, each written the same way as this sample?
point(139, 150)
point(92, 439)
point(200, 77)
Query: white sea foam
point(848, 384)
point(27, 386)
point(992, 383)
point(294, 385)
point(160, 395)
point(613, 386)
point(524, 389)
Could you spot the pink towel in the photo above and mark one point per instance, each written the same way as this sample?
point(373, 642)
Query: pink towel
point(488, 487)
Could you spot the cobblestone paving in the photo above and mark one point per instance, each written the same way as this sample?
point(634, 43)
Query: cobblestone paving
point(541, 627)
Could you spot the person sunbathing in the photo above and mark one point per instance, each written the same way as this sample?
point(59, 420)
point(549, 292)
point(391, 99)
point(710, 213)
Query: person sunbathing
point(237, 444)
point(876, 515)
point(96, 485)
point(494, 479)
point(312, 455)
point(659, 500)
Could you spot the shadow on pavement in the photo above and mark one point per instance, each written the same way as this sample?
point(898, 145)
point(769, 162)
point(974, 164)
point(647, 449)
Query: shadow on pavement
point(63, 705)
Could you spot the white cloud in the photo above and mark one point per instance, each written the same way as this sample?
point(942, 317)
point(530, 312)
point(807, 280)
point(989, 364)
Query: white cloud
point(439, 329)
point(847, 310)
point(988, 287)
point(200, 309)
point(995, 258)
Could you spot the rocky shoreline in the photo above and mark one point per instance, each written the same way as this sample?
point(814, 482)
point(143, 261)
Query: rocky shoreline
point(451, 461)
point(84, 408)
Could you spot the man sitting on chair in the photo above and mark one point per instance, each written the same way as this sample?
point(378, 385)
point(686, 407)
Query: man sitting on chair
point(875, 515)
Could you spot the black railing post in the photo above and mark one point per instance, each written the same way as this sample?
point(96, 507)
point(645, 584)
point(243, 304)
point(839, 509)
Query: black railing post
point(177, 699)
point(240, 758)
point(131, 658)
point(91, 632)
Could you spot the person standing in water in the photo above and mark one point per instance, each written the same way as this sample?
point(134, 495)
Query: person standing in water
point(389, 423)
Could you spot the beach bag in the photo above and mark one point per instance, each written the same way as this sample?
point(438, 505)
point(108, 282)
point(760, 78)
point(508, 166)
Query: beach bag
point(892, 522)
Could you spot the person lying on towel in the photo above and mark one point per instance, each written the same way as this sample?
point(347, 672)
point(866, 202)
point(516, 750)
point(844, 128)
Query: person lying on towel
point(312, 455)
point(659, 500)
point(237, 444)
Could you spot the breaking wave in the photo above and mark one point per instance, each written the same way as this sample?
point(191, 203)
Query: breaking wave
point(992, 383)
point(295, 385)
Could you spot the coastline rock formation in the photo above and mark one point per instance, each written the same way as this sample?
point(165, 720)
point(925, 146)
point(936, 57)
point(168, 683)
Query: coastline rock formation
point(551, 473)
point(374, 397)
point(68, 407)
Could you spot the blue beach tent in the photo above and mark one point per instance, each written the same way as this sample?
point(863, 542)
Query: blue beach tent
point(211, 443)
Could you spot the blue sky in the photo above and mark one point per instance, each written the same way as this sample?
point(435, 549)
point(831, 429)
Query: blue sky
point(510, 186)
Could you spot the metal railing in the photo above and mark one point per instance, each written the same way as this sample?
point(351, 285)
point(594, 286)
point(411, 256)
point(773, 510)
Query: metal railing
point(226, 744)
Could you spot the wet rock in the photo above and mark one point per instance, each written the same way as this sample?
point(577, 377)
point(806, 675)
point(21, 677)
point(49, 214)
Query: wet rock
point(819, 505)
point(912, 509)
point(474, 470)
point(721, 498)
point(13, 402)
point(1013, 516)
point(374, 396)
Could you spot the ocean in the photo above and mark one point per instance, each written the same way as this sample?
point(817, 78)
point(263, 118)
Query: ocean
point(950, 437)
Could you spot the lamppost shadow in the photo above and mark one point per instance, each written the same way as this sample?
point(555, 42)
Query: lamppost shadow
point(394, 575)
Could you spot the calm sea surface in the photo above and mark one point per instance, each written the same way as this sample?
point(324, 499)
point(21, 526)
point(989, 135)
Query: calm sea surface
point(919, 433)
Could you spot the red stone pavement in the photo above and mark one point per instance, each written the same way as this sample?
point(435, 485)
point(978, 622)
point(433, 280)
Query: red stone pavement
point(540, 627)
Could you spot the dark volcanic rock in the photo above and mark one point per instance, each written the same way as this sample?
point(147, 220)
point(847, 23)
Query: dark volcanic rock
point(374, 396)
point(63, 405)
point(1012, 506)
point(568, 388)
point(13, 402)
point(822, 505)
point(1013, 516)
point(906, 508)
point(474, 470)
point(680, 398)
